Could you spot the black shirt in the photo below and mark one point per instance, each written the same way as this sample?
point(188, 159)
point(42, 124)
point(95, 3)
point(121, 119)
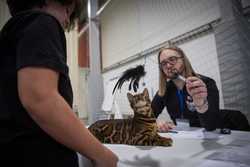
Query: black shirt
point(209, 120)
point(29, 39)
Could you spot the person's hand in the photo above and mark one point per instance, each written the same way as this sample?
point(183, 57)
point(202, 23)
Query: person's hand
point(197, 89)
point(109, 159)
point(164, 126)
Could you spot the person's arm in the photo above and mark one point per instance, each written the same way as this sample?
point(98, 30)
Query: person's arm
point(38, 92)
point(157, 104)
point(206, 100)
point(157, 107)
point(209, 119)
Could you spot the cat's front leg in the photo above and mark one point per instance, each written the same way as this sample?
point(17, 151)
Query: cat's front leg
point(164, 141)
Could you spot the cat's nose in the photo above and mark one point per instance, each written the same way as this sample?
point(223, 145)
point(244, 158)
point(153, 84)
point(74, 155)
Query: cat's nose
point(140, 104)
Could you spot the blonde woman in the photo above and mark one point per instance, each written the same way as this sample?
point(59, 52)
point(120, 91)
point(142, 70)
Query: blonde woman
point(196, 99)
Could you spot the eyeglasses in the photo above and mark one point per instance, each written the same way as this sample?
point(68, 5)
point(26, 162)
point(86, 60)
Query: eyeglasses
point(171, 60)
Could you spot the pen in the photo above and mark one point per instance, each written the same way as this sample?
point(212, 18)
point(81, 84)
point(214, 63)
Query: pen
point(172, 131)
point(178, 76)
point(181, 78)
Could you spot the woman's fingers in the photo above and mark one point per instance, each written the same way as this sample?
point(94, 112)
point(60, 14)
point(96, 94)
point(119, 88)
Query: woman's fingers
point(199, 91)
point(164, 126)
point(196, 87)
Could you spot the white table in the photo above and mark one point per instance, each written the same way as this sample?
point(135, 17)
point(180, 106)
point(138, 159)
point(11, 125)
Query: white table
point(191, 148)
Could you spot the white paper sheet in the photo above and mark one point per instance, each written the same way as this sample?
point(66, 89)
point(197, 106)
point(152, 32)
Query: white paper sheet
point(197, 134)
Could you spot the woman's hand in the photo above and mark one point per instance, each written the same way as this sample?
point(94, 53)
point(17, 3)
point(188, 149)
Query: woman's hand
point(109, 159)
point(197, 89)
point(164, 126)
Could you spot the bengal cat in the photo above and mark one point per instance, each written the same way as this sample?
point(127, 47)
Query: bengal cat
point(139, 130)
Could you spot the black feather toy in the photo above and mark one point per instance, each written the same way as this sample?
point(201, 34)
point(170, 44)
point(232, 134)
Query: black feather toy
point(133, 74)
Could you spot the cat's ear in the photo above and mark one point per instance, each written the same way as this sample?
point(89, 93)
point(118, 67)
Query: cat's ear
point(130, 97)
point(145, 92)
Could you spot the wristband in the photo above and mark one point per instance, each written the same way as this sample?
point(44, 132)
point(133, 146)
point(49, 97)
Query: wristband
point(203, 107)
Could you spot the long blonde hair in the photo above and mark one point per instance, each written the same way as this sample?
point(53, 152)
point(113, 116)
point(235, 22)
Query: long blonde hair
point(188, 69)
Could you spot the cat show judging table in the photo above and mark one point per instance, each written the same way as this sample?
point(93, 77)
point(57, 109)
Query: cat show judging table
point(192, 147)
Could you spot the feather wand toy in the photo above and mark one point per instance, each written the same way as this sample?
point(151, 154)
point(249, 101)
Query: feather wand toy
point(133, 74)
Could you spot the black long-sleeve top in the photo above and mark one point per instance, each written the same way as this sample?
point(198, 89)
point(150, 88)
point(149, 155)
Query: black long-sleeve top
point(209, 120)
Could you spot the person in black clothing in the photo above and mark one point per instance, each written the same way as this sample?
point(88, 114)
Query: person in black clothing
point(37, 125)
point(196, 99)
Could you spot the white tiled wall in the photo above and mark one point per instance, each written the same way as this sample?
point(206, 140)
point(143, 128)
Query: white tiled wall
point(131, 26)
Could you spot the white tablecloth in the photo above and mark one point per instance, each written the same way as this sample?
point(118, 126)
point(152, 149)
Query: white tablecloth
point(191, 148)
